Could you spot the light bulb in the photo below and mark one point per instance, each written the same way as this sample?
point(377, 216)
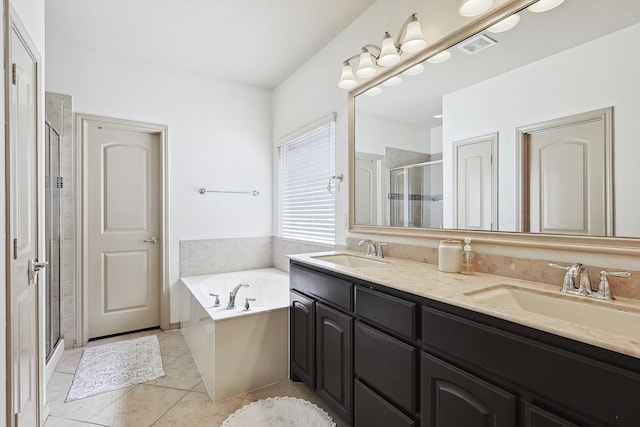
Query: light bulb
point(474, 7)
point(366, 68)
point(373, 91)
point(415, 70)
point(505, 25)
point(413, 38)
point(392, 81)
point(388, 53)
point(440, 57)
point(544, 5)
point(347, 79)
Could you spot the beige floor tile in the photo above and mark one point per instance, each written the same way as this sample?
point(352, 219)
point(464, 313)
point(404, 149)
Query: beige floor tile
point(65, 422)
point(141, 407)
point(172, 343)
point(69, 360)
point(200, 388)
point(197, 410)
point(79, 410)
point(182, 373)
point(281, 388)
point(314, 398)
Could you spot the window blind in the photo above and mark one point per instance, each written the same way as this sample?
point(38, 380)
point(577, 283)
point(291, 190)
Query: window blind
point(306, 162)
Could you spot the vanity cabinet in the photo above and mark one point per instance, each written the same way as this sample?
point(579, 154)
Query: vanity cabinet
point(334, 372)
point(383, 357)
point(302, 327)
point(452, 397)
point(321, 336)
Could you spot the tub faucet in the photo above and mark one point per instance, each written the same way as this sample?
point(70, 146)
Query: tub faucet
point(232, 295)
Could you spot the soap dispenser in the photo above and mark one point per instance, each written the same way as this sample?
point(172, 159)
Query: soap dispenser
point(468, 265)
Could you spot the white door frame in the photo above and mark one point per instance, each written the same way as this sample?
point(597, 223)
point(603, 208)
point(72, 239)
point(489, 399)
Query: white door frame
point(82, 291)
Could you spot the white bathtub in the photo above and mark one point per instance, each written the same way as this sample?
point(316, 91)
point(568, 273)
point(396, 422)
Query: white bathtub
point(236, 350)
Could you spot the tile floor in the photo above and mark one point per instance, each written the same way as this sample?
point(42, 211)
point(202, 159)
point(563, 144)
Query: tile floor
point(176, 400)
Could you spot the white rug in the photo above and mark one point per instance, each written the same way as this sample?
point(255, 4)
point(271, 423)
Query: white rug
point(116, 365)
point(279, 412)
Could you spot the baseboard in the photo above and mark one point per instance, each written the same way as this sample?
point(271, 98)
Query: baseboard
point(52, 364)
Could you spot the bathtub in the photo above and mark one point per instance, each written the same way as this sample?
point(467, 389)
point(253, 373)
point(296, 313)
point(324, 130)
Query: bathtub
point(238, 350)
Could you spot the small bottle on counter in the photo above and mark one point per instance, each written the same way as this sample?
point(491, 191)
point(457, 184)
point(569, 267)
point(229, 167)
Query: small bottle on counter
point(450, 256)
point(468, 265)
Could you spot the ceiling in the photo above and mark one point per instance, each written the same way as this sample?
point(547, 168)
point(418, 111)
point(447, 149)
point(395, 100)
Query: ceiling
point(254, 42)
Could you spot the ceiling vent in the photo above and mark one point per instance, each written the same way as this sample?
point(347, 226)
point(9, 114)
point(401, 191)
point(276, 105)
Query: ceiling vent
point(476, 44)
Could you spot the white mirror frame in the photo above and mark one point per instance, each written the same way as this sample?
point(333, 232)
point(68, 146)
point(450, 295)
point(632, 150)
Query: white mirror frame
point(586, 244)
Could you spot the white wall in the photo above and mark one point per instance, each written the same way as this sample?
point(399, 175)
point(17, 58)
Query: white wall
point(375, 133)
point(588, 77)
point(219, 138)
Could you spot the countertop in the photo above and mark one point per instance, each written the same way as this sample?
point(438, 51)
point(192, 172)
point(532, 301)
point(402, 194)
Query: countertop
point(425, 280)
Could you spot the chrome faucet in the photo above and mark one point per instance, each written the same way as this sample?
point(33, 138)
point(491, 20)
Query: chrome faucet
point(371, 247)
point(374, 250)
point(583, 288)
point(232, 295)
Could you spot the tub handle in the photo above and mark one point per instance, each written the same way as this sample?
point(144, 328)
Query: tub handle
point(217, 301)
point(246, 303)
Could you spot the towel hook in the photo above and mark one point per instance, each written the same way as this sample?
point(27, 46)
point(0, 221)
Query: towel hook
point(338, 180)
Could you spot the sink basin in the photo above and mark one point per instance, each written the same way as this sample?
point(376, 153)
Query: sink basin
point(590, 313)
point(347, 260)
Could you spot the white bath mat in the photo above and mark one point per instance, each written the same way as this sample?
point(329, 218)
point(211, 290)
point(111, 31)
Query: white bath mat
point(280, 412)
point(116, 365)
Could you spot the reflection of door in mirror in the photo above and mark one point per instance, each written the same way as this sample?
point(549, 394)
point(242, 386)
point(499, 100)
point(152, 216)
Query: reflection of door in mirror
point(567, 171)
point(368, 176)
point(475, 183)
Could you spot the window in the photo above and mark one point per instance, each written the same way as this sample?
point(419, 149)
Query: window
point(306, 162)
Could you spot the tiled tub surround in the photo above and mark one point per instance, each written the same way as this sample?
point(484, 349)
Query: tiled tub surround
point(426, 281)
point(237, 351)
point(211, 256)
point(532, 270)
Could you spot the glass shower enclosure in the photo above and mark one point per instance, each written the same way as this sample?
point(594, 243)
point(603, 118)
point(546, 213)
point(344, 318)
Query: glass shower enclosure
point(53, 228)
point(415, 195)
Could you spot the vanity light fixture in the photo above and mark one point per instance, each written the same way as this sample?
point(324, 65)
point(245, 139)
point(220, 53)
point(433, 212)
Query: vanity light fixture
point(439, 58)
point(544, 5)
point(505, 25)
point(410, 39)
point(474, 7)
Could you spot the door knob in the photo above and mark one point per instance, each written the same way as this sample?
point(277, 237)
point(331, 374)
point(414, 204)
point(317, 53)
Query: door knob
point(153, 239)
point(33, 267)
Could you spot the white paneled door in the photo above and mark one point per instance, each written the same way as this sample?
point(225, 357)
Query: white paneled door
point(123, 193)
point(574, 155)
point(23, 231)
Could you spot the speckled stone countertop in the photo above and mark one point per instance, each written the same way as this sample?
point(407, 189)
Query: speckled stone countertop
point(461, 290)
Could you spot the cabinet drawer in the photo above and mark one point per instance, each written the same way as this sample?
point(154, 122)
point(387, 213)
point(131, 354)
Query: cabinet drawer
point(372, 410)
point(572, 383)
point(394, 314)
point(386, 364)
point(322, 286)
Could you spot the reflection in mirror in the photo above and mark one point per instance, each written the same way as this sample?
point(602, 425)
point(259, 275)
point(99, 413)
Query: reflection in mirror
point(549, 69)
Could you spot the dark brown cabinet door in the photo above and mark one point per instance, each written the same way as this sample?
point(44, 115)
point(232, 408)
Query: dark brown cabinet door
point(454, 398)
point(333, 359)
point(302, 314)
point(536, 417)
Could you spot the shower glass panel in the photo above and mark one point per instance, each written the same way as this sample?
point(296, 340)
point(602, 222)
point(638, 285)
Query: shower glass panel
point(53, 225)
point(415, 196)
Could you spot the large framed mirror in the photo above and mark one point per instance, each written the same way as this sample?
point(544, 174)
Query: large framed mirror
point(526, 135)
